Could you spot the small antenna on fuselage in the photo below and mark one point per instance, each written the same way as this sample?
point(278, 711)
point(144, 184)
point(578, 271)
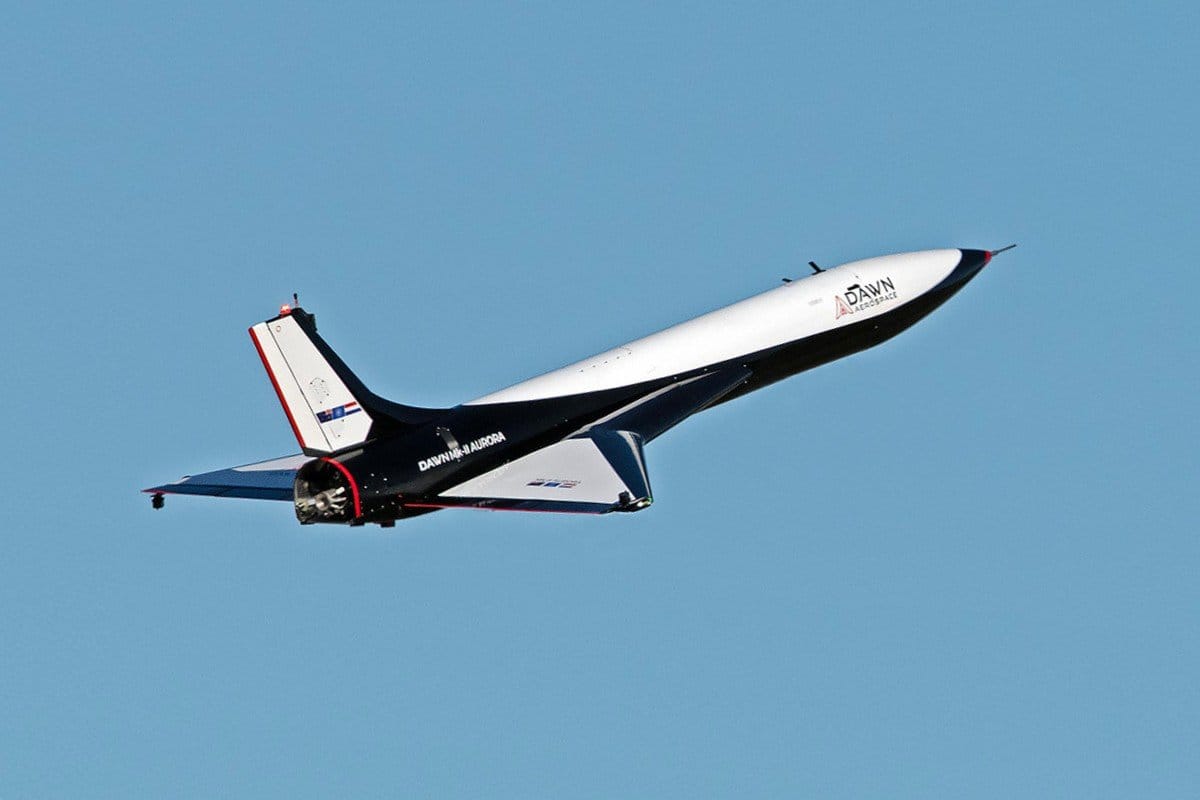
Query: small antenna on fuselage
point(815, 268)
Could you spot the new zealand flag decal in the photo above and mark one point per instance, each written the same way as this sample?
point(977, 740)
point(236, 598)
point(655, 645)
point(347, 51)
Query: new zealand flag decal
point(330, 414)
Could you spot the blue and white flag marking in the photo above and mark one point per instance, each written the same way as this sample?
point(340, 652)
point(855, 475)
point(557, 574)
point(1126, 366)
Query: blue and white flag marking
point(330, 414)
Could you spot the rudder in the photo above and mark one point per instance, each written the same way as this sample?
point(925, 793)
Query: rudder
point(327, 406)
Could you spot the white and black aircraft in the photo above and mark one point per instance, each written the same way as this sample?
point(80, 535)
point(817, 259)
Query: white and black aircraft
point(570, 440)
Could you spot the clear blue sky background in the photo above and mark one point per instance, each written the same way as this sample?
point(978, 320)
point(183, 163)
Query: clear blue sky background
point(962, 564)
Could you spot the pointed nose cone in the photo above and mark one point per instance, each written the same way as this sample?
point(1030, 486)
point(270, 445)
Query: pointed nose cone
point(974, 260)
point(969, 265)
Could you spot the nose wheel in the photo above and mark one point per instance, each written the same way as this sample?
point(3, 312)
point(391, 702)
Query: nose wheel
point(157, 500)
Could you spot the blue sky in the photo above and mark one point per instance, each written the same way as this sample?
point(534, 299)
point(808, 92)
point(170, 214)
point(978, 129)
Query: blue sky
point(961, 564)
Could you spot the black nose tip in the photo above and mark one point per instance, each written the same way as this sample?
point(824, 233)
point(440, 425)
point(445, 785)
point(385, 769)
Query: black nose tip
point(969, 265)
point(977, 259)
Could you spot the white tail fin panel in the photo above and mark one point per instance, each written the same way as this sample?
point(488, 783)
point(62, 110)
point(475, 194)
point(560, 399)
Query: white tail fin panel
point(325, 416)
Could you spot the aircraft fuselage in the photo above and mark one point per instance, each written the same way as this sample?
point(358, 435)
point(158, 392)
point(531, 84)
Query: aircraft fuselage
point(570, 440)
point(795, 327)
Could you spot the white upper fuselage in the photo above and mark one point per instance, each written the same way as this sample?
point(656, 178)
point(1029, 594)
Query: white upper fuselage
point(838, 296)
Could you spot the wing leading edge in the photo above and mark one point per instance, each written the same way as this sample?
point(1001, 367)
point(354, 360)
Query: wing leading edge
point(265, 480)
point(601, 468)
point(656, 413)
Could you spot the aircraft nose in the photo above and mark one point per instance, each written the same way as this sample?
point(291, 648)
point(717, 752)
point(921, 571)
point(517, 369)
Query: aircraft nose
point(969, 265)
point(974, 260)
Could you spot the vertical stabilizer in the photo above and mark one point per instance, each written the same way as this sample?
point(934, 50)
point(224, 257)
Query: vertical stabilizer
point(328, 407)
point(324, 414)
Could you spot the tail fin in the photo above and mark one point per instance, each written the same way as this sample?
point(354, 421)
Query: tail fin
point(328, 407)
